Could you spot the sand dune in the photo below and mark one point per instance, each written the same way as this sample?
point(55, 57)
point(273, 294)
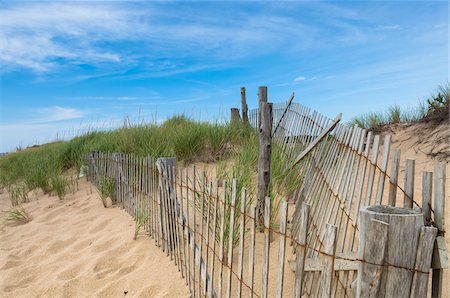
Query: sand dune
point(77, 248)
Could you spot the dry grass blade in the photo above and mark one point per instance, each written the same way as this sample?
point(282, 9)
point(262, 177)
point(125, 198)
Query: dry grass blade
point(17, 215)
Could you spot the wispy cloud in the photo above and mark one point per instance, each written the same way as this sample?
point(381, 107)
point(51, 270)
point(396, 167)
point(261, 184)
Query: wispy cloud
point(57, 113)
point(388, 27)
point(299, 79)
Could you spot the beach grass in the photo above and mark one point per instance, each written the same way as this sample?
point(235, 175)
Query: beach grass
point(435, 106)
point(17, 215)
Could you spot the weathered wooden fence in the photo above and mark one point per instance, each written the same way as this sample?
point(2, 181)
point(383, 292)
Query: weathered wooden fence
point(344, 169)
point(208, 228)
point(355, 229)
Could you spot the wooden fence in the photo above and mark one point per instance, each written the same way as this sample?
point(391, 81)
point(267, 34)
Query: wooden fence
point(344, 169)
point(209, 229)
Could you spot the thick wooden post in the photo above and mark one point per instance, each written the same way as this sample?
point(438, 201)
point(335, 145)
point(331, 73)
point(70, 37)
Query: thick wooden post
point(389, 269)
point(235, 117)
point(265, 152)
point(244, 107)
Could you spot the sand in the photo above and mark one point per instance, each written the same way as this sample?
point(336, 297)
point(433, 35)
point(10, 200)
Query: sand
point(77, 248)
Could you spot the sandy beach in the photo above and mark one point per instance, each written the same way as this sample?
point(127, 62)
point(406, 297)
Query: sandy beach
point(77, 248)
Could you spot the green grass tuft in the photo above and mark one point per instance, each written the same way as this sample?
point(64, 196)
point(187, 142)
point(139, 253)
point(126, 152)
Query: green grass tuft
point(17, 215)
point(59, 184)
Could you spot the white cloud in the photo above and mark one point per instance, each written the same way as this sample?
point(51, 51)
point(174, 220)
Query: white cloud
point(57, 113)
point(35, 36)
point(299, 79)
point(388, 27)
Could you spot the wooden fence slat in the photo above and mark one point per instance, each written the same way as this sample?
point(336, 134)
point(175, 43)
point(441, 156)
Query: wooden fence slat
point(265, 268)
point(241, 242)
point(427, 192)
point(373, 162)
point(439, 208)
point(214, 229)
point(207, 290)
point(328, 260)
point(251, 251)
point(282, 248)
point(423, 260)
point(230, 236)
point(301, 250)
point(222, 234)
point(393, 180)
point(409, 183)
point(383, 167)
point(194, 227)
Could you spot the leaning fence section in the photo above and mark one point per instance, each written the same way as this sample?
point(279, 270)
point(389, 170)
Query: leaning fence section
point(344, 169)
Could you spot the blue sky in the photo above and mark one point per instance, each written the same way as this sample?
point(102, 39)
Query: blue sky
point(69, 66)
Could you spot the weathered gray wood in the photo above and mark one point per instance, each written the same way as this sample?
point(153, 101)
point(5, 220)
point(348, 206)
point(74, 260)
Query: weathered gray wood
point(373, 239)
point(235, 117)
point(241, 242)
point(372, 167)
point(244, 107)
point(316, 264)
point(301, 250)
point(282, 248)
point(320, 137)
point(230, 237)
point(439, 195)
point(427, 188)
point(213, 258)
point(222, 233)
point(251, 250)
point(328, 260)
point(403, 235)
point(383, 168)
point(393, 179)
point(266, 251)
point(409, 183)
point(440, 258)
point(423, 262)
point(264, 152)
point(187, 228)
point(194, 227)
point(288, 105)
point(202, 227)
point(206, 290)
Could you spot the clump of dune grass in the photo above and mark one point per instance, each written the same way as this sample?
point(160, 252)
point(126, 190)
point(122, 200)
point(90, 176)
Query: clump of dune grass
point(59, 184)
point(434, 107)
point(106, 190)
point(141, 219)
point(17, 215)
point(18, 194)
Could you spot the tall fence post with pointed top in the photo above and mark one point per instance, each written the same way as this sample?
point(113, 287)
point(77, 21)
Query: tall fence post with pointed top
point(244, 107)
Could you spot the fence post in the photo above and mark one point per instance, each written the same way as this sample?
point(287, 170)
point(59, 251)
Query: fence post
point(244, 107)
point(400, 251)
point(265, 152)
point(235, 117)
